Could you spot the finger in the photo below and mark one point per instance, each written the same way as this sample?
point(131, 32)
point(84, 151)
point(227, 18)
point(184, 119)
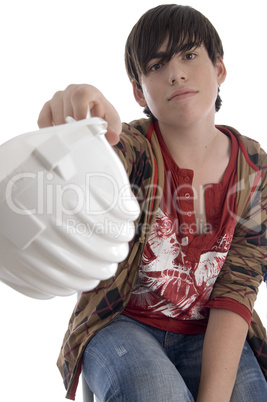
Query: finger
point(80, 110)
point(57, 108)
point(96, 110)
point(112, 137)
point(68, 109)
point(114, 121)
point(45, 116)
point(67, 101)
point(114, 127)
point(80, 101)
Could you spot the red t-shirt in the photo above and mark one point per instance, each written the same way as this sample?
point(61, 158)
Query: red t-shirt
point(179, 266)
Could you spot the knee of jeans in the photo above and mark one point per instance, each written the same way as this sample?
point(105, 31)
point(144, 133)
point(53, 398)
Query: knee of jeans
point(125, 362)
point(124, 380)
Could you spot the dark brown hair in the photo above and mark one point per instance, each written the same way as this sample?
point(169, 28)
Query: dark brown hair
point(185, 28)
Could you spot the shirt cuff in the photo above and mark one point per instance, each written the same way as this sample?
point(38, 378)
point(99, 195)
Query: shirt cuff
point(231, 304)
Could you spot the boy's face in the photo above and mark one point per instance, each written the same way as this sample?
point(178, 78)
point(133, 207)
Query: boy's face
point(182, 91)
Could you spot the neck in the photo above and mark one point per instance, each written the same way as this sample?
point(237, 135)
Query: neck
point(189, 146)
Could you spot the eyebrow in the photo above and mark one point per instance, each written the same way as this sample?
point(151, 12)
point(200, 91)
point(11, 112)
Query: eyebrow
point(159, 55)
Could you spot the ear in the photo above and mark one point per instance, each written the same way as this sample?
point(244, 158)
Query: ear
point(138, 94)
point(221, 70)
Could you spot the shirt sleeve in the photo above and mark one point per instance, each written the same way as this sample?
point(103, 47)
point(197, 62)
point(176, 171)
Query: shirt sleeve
point(233, 305)
point(134, 152)
point(245, 265)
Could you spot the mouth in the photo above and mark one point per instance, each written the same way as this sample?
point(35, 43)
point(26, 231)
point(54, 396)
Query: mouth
point(182, 93)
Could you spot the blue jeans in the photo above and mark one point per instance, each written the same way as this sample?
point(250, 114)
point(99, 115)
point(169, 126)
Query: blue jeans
point(133, 362)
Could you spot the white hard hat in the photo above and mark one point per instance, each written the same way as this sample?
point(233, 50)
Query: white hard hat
point(66, 210)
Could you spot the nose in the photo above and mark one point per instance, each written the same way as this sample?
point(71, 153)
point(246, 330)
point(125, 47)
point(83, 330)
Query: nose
point(177, 71)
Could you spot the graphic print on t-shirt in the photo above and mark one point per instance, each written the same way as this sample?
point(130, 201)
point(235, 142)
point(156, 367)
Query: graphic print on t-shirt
point(168, 284)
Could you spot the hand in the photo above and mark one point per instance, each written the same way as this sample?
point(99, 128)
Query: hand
point(74, 101)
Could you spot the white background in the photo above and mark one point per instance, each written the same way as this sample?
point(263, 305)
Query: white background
point(46, 45)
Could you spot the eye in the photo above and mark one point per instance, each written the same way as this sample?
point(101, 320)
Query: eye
point(190, 56)
point(155, 67)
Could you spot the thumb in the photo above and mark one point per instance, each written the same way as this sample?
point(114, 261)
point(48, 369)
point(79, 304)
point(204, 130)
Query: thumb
point(112, 137)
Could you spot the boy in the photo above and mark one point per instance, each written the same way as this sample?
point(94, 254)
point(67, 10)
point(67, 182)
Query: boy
point(172, 325)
